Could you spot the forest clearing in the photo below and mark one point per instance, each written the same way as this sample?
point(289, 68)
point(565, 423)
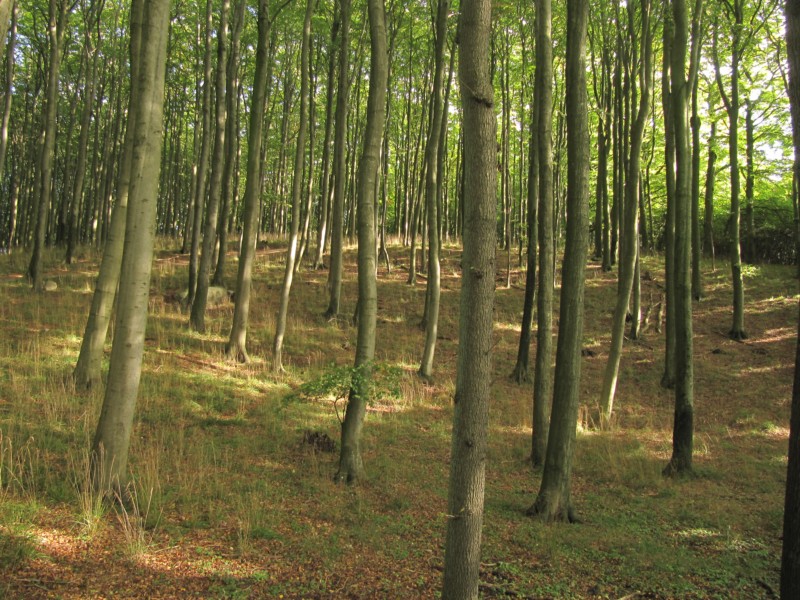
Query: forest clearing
point(232, 466)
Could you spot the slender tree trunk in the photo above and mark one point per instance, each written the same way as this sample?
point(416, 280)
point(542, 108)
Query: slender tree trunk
point(697, 248)
point(554, 502)
point(8, 96)
point(198, 314)
point(630, 236)
point(708, 199)
point(350, 461)
point(322, 227)
point(56, 29)
point(297, 184)
point(543, 370)
point(202, 168)
point(112, 438)
point(236, 347)
point(432, 175)
point(683, 427)
point(339, 165)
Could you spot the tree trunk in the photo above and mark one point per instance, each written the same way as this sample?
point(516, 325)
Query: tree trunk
point(198, 315)
point(56, 29)
point(297, 183)
point(339, 166)
point(683, 426)
point(87, 372)
point(630, 233)
point(790, 558)
point(350, 462)
point(236, 347)
point(112, 439)
point(202, 167)
point(543, 371)
point(553, 502)
point(432, 175)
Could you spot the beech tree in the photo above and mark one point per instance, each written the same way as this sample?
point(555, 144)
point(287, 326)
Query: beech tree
point(553, 502)
point(350, 461)
point(473, 375)
point(112, 438)
point(790, 557)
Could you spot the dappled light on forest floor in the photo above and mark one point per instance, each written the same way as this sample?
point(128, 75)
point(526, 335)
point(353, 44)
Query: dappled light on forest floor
point(238, 461)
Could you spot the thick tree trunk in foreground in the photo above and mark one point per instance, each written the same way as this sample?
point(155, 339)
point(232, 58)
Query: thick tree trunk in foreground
point(790, 559)
point(471, 414)
point(236, 348)
point(350, 463)
point(112, 438)
point(553, 502)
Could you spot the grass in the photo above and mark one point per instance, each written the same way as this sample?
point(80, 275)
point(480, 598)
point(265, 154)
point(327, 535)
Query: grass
point(229, 501)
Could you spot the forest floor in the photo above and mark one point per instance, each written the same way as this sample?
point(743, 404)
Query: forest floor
point(232, 475)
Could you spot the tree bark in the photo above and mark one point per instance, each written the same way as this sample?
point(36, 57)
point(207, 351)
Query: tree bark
point(432, 192)
point(339, 165)
point(112, 439)
point(198, 315)
point(553, 502)
point(350, 461)
point(790, 557)
point(473, 376)
point(236, 348)
point(297, 183)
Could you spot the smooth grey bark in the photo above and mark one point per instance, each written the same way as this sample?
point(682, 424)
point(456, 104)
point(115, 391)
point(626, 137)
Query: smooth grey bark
point(91, 53)
point(697, 247)
point(339, 165)
point(109, 451)
point(198, 314)
point(668, 377)
point(708, 197)
point(87, 372)
point(350, 462)
point(790, 555)
point(466, 486)
point(43, 191)
point(732, 105)
point(683, 425)
point(553, 502)
point(7, 8)
point(202, 166)
point(432, 176)
point(236, 347)
point(8, 96)
point(543, 369)
point(325, 193)
point(629, 243)
point(231, 135)
point(297, 182)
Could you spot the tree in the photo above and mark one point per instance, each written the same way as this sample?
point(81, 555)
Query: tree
point(236, 347)
point(297, 182)
point(87, 372)
point(339, 164)
point(629, 244)
point(58, 11)
point(473, 376)
point(680, 89)
point(350, 462)
point(543, 371)
point(432, 192)
point(553, 502)
point(112, 437)
point(790, 557)
point(197, 318)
